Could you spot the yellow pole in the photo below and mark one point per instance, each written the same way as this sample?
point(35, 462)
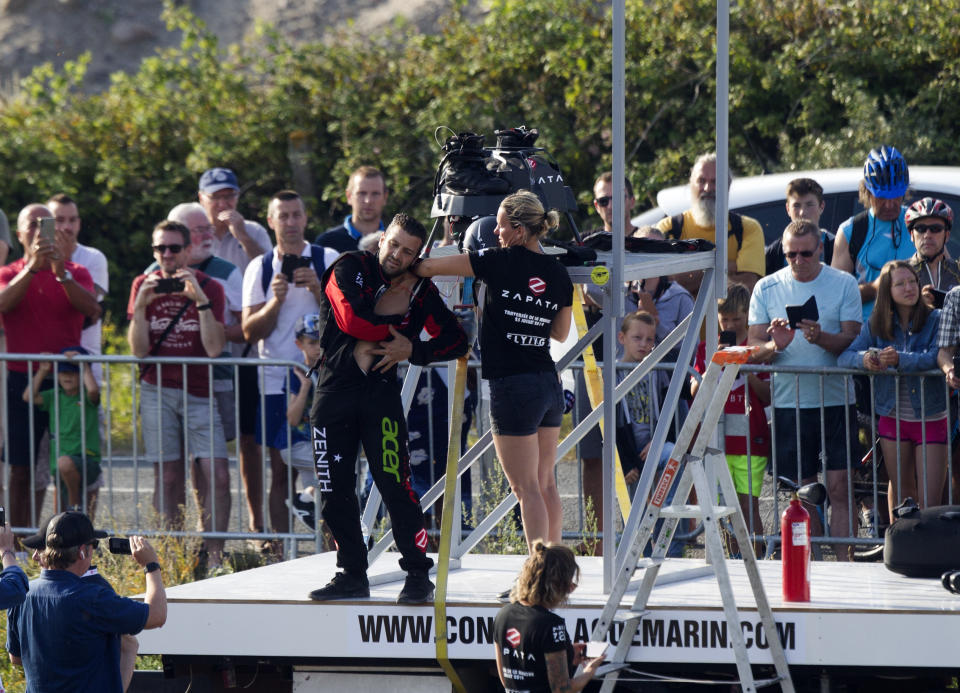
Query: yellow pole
point(446, 528)
point(591, 374)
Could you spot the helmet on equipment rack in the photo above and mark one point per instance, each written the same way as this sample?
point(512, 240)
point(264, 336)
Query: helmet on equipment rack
point(929, 207)
point(885, 173)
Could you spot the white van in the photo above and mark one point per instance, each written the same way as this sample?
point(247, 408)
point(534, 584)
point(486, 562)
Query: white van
point(764, 197)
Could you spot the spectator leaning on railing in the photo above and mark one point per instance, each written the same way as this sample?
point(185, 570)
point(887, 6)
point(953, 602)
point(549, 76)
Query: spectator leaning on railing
point(44, 299)
point(797, 399)
point(901, 335)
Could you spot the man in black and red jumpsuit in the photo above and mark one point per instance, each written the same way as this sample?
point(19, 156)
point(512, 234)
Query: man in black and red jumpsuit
point(358, 399)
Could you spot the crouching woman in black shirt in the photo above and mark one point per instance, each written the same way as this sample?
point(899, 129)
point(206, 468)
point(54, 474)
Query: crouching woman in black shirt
point(527, 301)
point(534, 652)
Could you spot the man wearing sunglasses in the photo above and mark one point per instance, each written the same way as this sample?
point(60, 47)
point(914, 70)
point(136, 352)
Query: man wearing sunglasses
point(929, 221)
point(810, 344)
point(178, 312)
point(603, 202)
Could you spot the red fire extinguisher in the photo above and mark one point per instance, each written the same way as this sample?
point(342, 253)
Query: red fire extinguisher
point(795, 550)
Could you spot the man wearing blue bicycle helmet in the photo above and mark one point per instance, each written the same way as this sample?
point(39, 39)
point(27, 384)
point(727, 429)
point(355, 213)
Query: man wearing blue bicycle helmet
point(868, 240)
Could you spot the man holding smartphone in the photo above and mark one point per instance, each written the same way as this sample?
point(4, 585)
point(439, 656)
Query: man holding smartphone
point(278, 288)
point(62, 601)
point(176, 311)
point(44, 299)
point(797, 401)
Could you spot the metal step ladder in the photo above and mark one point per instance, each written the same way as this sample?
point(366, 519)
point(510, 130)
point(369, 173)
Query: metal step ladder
point(694, 465)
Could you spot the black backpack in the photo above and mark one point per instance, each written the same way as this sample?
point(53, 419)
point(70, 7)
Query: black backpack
point(735, 228)
point(858, 234)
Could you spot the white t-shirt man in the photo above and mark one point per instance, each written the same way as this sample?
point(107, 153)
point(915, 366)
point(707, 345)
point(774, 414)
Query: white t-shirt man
point(279, 344)
point(229, 247)
point(91, 338)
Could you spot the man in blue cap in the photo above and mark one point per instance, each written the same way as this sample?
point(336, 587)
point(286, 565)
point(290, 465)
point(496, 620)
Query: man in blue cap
point(238, 240)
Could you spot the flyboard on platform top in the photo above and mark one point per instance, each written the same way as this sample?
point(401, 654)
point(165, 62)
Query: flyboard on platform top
point(472, 179)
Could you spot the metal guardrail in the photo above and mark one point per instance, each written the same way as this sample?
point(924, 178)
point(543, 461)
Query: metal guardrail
point(123, 458)
point(122, 454)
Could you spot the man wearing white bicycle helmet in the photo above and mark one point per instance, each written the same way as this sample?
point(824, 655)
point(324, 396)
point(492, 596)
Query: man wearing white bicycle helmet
point(929, 221)
point(870, 239)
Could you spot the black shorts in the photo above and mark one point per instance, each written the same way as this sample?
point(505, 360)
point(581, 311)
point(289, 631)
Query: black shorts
point(249, 391)
point(522, 403)
point(840, 424)
point(18, 420)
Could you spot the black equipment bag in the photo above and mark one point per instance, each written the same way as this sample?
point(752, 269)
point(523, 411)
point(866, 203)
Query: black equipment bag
point(465, 168)
point(526, 167)
point(923, 543)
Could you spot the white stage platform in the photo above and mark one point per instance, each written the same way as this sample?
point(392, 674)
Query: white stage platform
point(860, 615)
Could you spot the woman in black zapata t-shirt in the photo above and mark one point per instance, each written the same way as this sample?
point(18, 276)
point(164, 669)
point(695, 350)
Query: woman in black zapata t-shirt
point(527, 302)
point(534, 652)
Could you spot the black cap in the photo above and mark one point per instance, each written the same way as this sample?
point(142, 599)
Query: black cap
point(71, 528)
point(37, 540)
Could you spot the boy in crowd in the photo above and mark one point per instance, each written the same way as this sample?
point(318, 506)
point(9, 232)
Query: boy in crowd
point(78, 439)
point(804, 202)
point(300, 454)
point(637, 414)
point(747, 435)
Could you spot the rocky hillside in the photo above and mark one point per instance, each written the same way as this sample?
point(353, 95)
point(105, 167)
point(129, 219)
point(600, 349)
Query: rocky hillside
point(119, 33)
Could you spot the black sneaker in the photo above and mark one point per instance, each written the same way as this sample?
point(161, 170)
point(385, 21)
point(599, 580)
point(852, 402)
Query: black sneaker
point(417, 588)
point(303, 510)
point(343, 586)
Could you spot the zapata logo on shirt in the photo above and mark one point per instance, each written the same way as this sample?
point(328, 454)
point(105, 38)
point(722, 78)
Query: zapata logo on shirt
point(537, 285)
point(532, 163)
point(513, 637)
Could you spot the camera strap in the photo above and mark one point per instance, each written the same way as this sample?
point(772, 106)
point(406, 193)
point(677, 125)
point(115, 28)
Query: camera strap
point(169, 328)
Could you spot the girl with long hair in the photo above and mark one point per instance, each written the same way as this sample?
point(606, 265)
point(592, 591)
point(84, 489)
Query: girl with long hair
point(901, 336)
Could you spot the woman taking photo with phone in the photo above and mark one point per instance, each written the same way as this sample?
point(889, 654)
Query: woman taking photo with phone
point(902, 335)
point(527, 302)
point(534, 652)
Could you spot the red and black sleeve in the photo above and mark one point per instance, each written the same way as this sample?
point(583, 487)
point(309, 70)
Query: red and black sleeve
point(352, 297)
point(448, 340)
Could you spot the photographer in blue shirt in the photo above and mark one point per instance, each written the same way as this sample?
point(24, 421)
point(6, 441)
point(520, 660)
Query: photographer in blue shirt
point(61, 608)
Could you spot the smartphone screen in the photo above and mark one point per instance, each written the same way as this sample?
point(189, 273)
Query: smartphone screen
point(119, 545)
point(168, 285)
point(48, 228)
point(595, 648)
point(288, 265)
